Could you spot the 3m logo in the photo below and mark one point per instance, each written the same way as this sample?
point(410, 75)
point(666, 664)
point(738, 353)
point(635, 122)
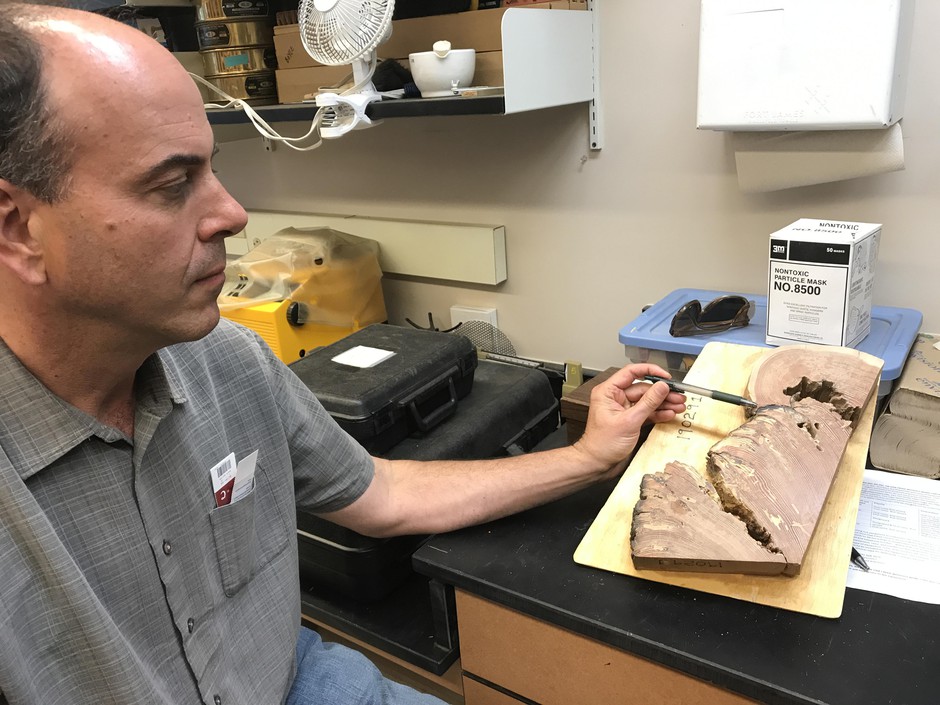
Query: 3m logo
point(778, 249)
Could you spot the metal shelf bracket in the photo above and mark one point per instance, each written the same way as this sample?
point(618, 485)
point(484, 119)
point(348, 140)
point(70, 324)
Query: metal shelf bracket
point(595, 116)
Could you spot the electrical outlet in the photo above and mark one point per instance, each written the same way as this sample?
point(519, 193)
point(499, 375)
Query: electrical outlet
point(459, 314)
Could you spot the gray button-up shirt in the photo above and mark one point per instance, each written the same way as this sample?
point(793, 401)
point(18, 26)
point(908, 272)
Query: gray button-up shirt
point(120, 579)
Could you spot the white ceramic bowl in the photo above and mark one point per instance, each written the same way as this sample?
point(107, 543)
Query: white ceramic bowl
point(437, 73)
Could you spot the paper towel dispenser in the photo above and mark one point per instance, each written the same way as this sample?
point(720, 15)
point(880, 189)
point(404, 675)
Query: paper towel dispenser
point(803, 64)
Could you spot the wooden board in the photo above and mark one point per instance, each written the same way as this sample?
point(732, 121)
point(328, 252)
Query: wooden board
point(819, 589)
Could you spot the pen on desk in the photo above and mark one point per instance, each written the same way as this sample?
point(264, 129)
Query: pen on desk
point(858, 560)
point(702, 391)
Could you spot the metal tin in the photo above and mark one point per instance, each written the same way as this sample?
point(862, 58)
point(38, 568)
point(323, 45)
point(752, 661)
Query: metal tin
point(219, 34)
point(231, 9)
point(219, 62)
point(259, 88)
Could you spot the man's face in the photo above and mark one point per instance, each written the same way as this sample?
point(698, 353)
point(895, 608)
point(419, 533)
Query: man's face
point(137, 241)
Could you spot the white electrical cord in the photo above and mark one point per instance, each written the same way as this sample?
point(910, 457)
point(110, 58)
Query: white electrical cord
point(260, 124)
point(268, 132)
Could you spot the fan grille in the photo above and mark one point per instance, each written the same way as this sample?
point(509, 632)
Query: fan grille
point(345, 30)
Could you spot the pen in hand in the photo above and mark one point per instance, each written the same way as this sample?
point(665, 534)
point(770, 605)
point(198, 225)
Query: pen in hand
point(710, 393)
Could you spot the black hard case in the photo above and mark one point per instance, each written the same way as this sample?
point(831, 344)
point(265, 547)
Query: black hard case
point(509, 410)
point(408, 393)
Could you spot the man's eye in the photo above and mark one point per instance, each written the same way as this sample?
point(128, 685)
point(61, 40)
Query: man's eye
point(177, 189)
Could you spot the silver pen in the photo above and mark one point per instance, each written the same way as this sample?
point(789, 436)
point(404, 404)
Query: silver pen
point(682, 388)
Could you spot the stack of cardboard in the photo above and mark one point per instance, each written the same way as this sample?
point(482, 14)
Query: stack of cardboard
point(299, 75)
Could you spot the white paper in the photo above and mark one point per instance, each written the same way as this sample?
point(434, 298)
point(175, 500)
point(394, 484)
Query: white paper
point(898, 534)
point(363, 356)
point(772, 161)
point(244, 476)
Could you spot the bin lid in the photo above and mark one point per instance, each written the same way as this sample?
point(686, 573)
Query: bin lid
point(892, 329)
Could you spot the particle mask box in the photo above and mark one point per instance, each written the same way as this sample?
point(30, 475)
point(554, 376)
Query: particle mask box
point(820, 282)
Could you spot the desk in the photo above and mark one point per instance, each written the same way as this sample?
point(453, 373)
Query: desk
point(881, 650)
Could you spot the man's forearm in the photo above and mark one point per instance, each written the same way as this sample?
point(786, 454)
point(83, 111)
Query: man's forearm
point(422, 497)
point(442, 495)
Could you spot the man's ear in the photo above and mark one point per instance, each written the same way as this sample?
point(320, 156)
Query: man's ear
point(20, 252)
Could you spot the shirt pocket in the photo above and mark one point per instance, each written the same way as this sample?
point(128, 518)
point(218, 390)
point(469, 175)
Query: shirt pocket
point(248, 534)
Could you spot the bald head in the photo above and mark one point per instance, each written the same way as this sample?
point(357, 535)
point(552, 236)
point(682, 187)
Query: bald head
point(62, 74)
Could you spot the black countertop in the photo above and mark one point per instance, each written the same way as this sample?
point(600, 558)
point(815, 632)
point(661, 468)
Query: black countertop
point(882, 650)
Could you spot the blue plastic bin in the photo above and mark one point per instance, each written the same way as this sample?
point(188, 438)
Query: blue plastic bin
point(647, 339)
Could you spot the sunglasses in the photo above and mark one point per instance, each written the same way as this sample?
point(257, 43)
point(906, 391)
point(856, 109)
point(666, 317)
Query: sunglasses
point(722, 314)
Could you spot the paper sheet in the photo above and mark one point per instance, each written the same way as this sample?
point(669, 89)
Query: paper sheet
point(363, 356)
point(898, 534)
point(771, 161)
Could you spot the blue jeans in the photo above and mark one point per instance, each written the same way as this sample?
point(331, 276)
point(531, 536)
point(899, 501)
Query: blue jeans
point(331, 674)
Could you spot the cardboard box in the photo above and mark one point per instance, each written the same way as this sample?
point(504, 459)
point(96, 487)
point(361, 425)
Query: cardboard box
point(489, 69)
point(290, 49)
point(820, 282)
point(477, 29)
point(803, 64)
point(294, 84)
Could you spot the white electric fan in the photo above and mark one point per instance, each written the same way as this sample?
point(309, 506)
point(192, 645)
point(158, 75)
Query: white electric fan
point(339, 32)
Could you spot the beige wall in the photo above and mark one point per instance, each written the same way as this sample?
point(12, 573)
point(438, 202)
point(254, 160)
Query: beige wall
point(592, 237)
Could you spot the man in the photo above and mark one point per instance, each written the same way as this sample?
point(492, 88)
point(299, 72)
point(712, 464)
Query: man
point(121, 580)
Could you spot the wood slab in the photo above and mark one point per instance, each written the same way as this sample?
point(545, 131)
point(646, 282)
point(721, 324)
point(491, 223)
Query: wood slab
point(819, 589)
point(755, 508)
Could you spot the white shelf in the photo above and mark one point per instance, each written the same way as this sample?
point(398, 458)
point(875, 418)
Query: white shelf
point(548, 55)
point(548, 58)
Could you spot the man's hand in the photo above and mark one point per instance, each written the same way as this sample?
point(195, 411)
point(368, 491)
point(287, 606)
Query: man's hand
point(618, 410)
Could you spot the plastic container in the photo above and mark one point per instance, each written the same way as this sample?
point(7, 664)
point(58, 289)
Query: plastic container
point(408, 393)
point(647, 339)
point(509, 410)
